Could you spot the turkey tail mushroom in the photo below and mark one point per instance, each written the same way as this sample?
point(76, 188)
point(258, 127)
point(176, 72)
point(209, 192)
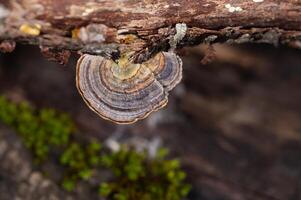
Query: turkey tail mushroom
point(125, 92)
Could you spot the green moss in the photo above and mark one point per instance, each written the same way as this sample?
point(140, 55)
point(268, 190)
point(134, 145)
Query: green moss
point(69, 184)
point(135, 175)
point(80, 161)
point(40, 130)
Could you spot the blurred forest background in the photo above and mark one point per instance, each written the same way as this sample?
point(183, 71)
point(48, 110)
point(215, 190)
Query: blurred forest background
point(234, 123)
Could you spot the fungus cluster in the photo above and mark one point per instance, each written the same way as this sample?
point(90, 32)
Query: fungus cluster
point(124, 92)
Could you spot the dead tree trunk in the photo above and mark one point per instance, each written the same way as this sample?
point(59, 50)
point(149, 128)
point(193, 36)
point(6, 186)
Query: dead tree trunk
point(111, 27)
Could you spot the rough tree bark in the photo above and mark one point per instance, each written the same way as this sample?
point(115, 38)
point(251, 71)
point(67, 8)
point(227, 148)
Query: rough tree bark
point(109, 27)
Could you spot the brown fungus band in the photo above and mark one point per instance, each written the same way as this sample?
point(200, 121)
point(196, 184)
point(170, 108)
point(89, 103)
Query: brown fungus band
point(124, 92)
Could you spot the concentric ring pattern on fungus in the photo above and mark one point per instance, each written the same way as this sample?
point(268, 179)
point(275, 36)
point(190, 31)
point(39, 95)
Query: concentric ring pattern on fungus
point(124, 92)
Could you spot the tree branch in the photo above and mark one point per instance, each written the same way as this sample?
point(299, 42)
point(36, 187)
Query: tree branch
point(111, 27)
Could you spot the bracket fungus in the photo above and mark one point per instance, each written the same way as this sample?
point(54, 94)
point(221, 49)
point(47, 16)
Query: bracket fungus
point(124, 92)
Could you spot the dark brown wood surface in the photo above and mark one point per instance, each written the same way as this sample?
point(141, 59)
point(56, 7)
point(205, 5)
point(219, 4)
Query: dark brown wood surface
point(146, 26)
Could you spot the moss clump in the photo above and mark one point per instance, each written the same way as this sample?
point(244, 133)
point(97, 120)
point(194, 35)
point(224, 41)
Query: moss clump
point(80, 161)
point(40, 130)
point(136, 176)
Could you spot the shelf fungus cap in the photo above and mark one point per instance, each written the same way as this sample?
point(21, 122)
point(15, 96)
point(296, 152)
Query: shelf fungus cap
point(125, 92)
